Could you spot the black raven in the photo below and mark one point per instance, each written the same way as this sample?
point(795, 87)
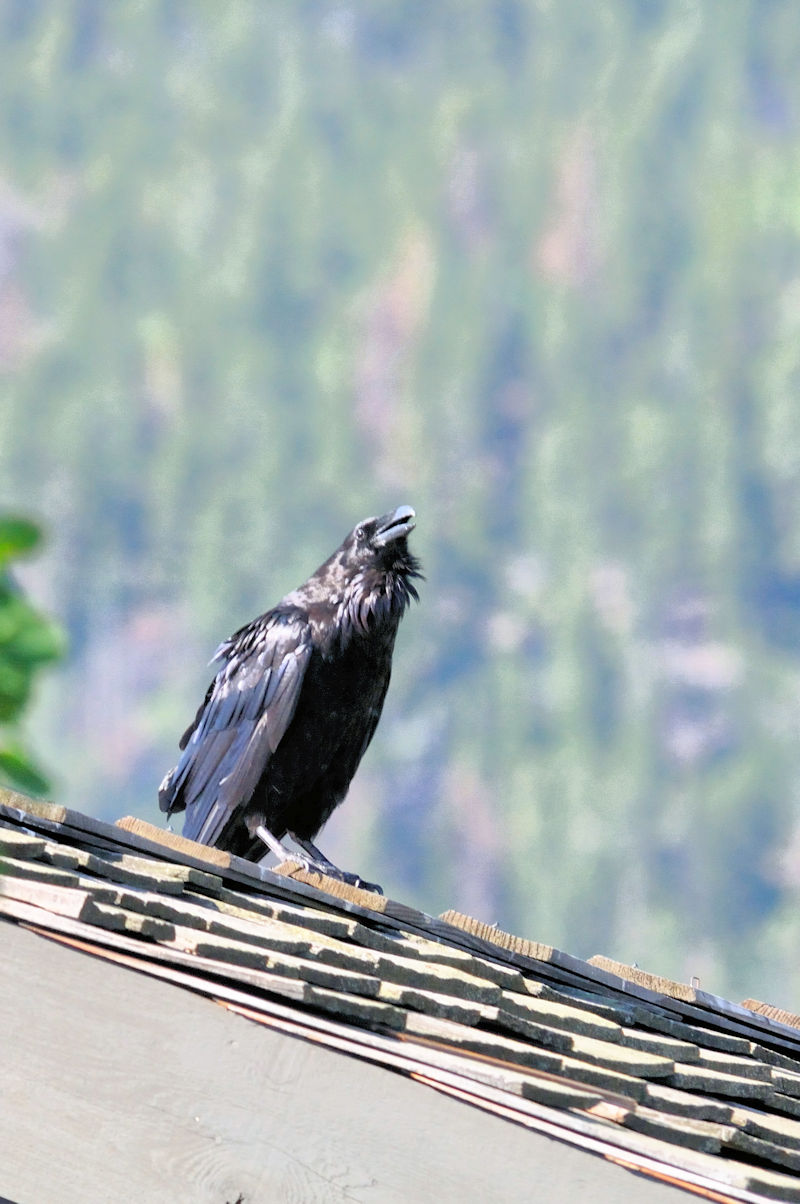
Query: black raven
point(295, 703)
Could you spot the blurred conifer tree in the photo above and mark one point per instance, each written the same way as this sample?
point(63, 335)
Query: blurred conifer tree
point(28, 642)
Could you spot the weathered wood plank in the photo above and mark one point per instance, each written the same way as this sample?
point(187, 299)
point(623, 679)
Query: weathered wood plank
point(172, 840)
point(772, 1013)
point(504, 940)
point(559, 968)
point(374, 1046)
point(244, 875)
point(61, 900)
point(562, 968)
point(216, 1108)
point(652, 982)
point(33, 806)
point(14, 843)
point(333, 886)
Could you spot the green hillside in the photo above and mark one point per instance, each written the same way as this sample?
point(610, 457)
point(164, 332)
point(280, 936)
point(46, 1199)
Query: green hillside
point(266, 268)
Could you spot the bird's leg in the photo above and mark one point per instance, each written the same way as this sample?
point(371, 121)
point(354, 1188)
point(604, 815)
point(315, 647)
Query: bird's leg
point(315, 860)
point(280, 850)
point(327, 867)
point(317, 854)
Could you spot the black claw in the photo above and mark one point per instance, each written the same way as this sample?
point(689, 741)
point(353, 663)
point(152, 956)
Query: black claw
point(326, 870)
point(362, 884)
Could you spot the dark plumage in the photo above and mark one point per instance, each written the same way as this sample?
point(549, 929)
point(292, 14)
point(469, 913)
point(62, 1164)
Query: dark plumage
point(295, 703)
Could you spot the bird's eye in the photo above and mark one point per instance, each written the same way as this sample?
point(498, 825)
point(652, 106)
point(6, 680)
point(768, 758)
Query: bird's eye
point(360, 533)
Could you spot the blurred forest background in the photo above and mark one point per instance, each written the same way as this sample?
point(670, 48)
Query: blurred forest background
point(534, 268)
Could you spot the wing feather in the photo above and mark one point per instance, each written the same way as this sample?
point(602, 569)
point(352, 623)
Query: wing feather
point(247, 710)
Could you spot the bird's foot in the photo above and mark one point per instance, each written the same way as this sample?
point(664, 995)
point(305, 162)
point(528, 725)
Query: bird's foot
point(312, 860)
point(323, 865)
point(286, 856)
point(327, 869)
point(355, 880)
point(304, 863)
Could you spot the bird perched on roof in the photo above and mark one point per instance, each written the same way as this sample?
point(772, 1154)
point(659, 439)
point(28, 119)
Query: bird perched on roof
point(295, 703)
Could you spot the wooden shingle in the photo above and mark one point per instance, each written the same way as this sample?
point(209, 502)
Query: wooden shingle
point(618, 1063)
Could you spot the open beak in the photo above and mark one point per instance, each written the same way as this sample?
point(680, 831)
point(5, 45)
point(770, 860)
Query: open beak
point(396, 525)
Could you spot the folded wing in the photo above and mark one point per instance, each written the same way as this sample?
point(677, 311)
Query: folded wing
point(248, 707)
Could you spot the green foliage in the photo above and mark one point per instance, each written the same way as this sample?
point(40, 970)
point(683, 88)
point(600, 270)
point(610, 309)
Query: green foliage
point(530, 267)
point(27, 643)
point(17, 536)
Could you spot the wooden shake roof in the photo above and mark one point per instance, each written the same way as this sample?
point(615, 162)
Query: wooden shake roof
point(660, 1077)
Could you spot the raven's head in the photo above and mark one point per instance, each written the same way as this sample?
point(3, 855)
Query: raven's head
point(373, 570)
point(380, 545)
